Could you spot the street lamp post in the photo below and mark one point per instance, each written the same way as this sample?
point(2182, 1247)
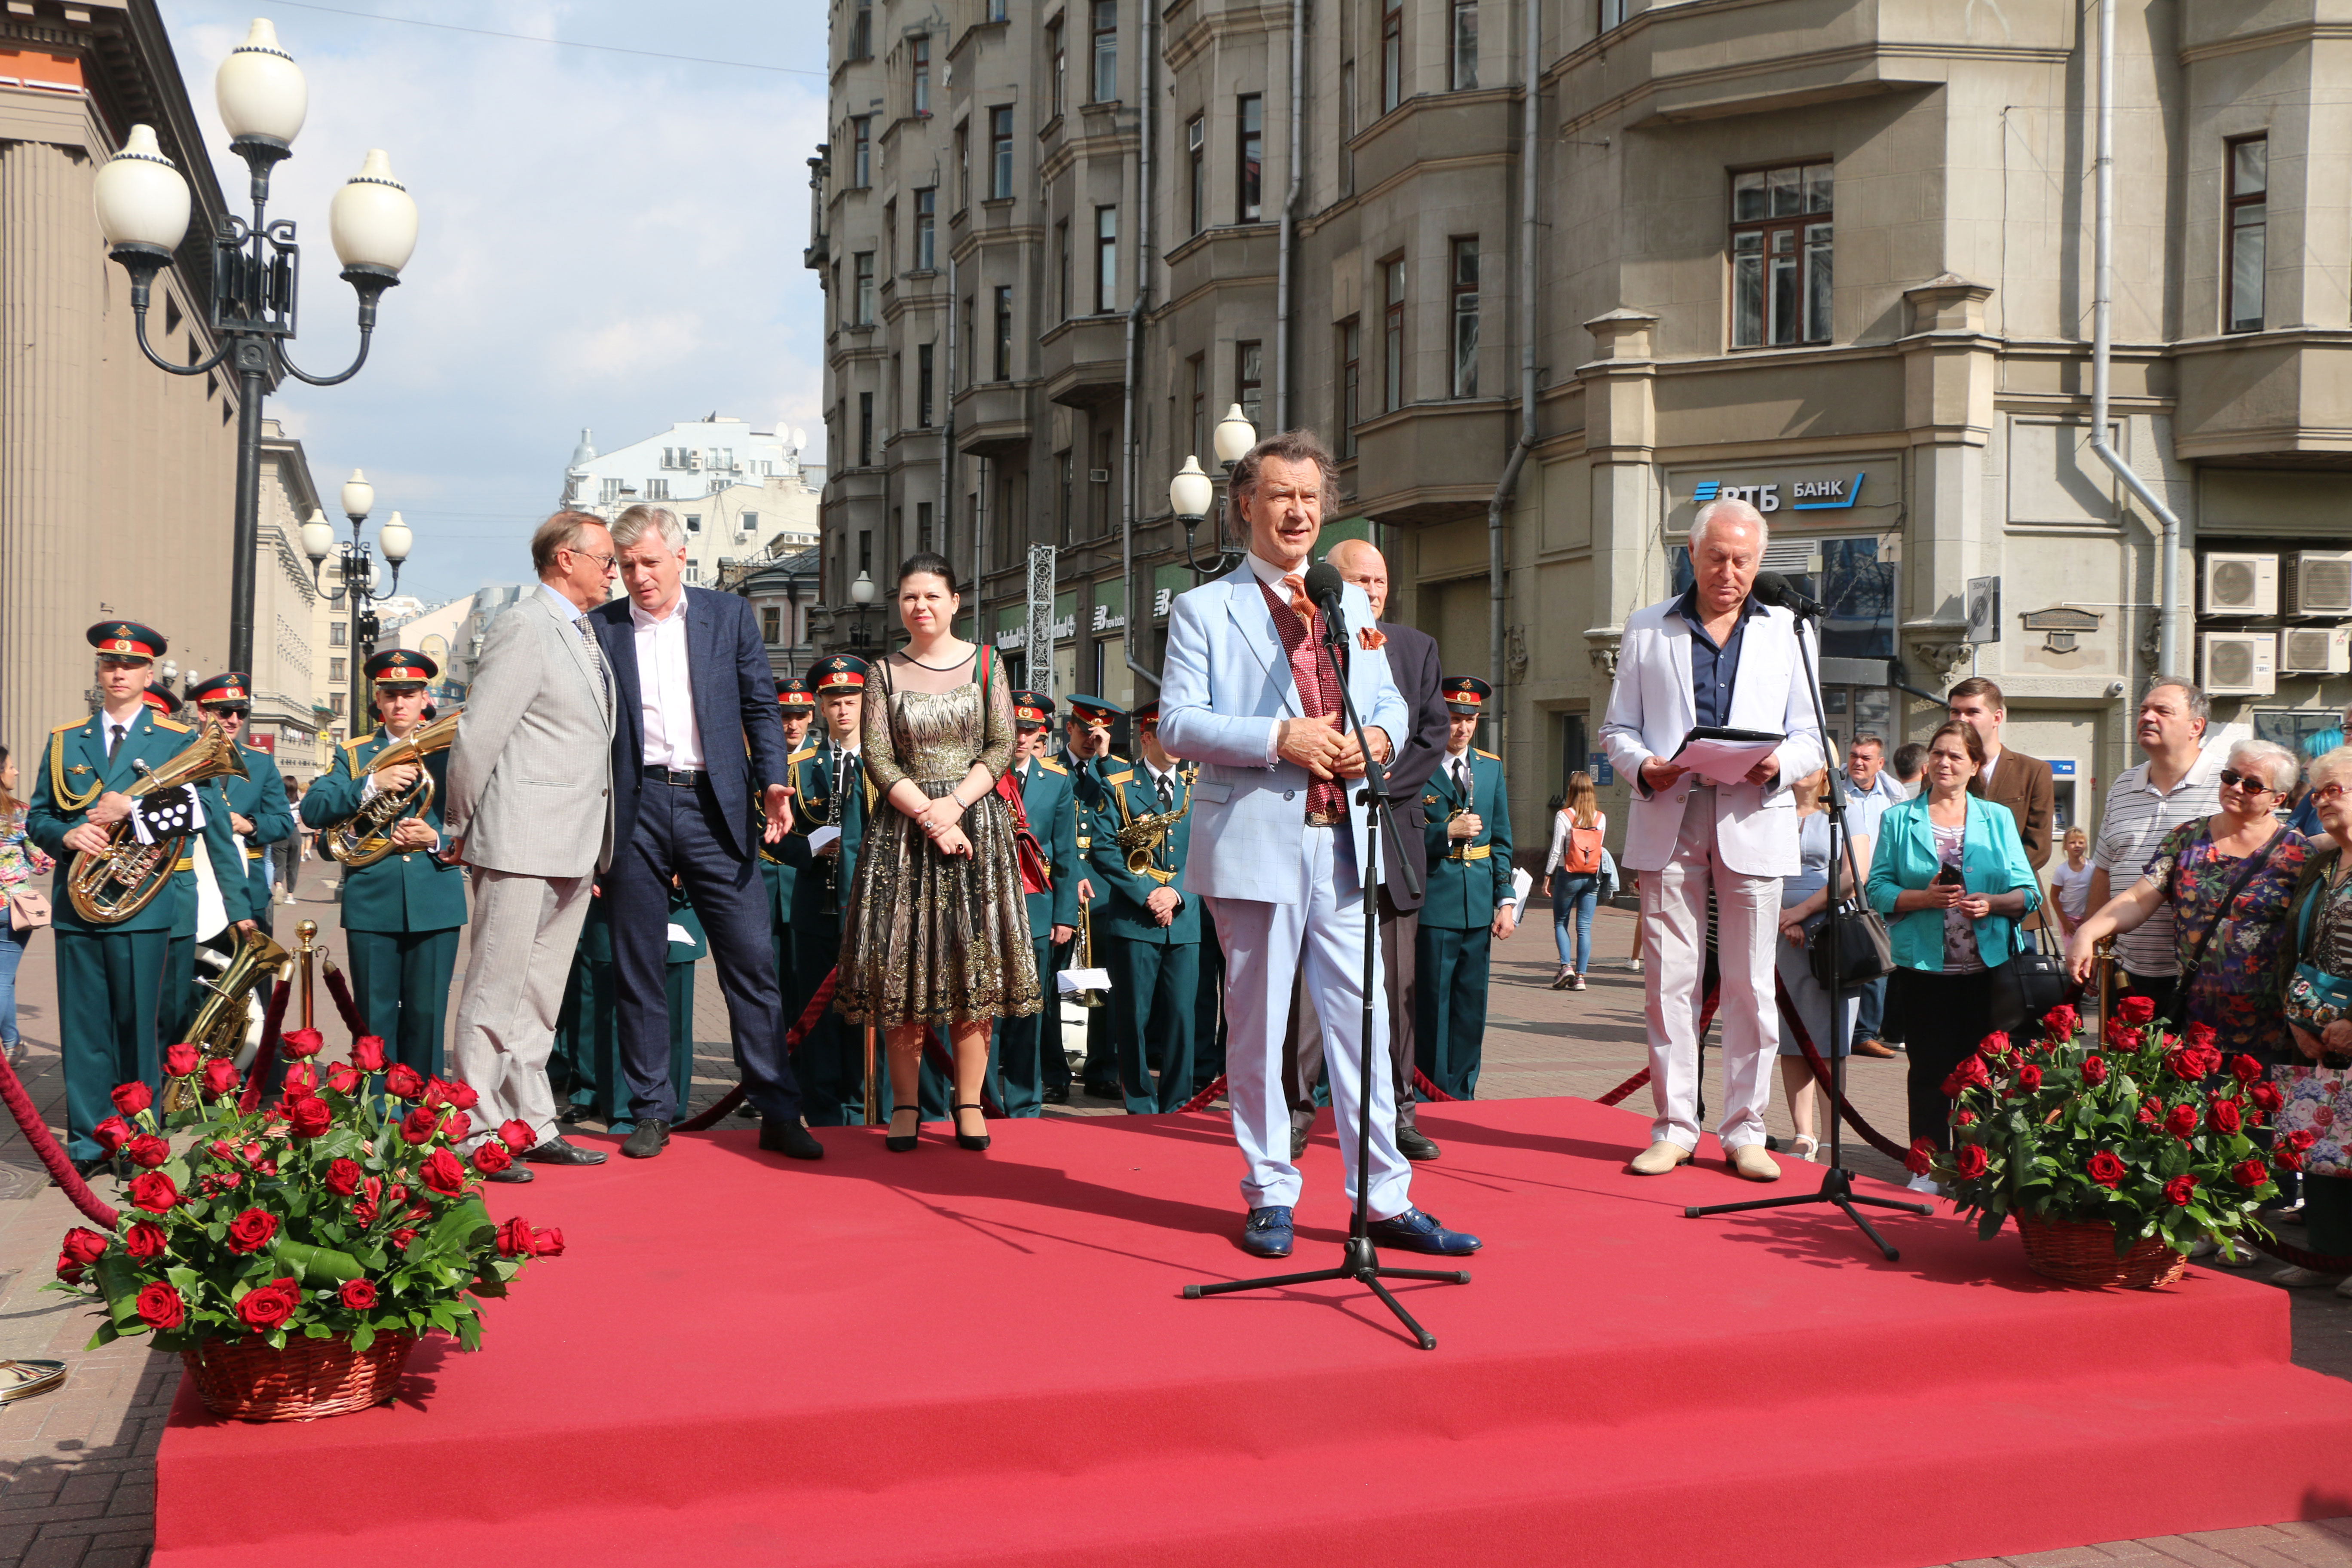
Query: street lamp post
point(355, 572)
point(1192, 493)
point(862, 594)
point(143, 209)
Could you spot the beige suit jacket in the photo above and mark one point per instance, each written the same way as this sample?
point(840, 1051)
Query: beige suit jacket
point(531, 774)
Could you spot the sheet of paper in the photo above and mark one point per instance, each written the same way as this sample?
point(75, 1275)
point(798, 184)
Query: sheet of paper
point(1070, 981)
point(821, 837)
point(1521, 885)
point(679, 934)
point(1723, 761)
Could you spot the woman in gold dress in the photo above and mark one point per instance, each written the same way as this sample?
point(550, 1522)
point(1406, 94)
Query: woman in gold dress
point(937, 931)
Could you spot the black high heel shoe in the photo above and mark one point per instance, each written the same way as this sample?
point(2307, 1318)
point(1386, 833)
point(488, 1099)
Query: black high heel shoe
point(965, 1140)
point(897, 1145)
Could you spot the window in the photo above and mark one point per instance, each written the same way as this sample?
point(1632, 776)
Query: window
point(1062, 269)
point(1249, 120)
point(918, 52)
point(923, 525)
point(923, 385)
point(926, 206)
point(335, 703)
point(748, 522)
point(864, 431)
point(657, 489)
point(861, 151)
point(968, 318)
point(1068, 464)
point(866, 552)
point(1106, 258)
point(1249, 381)
point(1347, 127)
point(771, 625)
point(861, 31)
point(1465, 45)
point(1465, 318)
point(1003, 332)
point(1780, 255)
point(963, 167)
point(336, 669)
point(609, 491)
point(1098, 482)
point(1105, 17)
point(996, 10)
point(1196, 141)
point(694, 518)
point(2249, 164)
point(335, 634)
point(864, 262)
point(1392, 335)
point(999, 153)
point(1612, 14)
point(1058, 53)
point(1351, 367)
point(1199, 365)
point(1392, 53)
point(891, 238)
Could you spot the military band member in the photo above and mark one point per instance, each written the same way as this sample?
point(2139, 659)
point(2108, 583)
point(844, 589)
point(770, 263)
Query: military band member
point(797, 705)
point(1085, 752)
point(1026, 1047)
point(826, 777)
point(258, 813)
point(401, 915)
point(111, 976)
point(1469, 902)
point(179, 1007)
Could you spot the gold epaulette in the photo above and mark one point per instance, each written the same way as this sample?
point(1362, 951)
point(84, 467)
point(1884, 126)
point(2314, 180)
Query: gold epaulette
point(1118, 778)
point(172, 724)
point(1050, 765)
point(803, 754)
point(74, 724)
point(1488, 755)
point(353, 746)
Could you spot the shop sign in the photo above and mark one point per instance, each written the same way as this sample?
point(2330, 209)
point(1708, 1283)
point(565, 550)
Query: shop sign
point(1832, 493)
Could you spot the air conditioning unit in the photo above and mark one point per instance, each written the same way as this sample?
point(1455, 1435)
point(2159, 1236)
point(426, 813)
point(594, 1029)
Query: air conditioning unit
point(2240, 664)
point(2316, 650)
point(2319, 583)
point(694, 466)
point(2239, 584)
point(1102, 477)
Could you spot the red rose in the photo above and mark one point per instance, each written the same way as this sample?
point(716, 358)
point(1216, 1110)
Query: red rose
point(517, 1239)
point(399, 1193)
point(2250, 1173)
point(491, 1156)
point(159, 1307)
point(2060, 1022)
point(2244, 1068)
point(251, 1231)
point(442, 1172)
point(2181, 1121)
point(363, 1211)
point(1994, 1045)
point(402, 1081)
point(111, 1133)
point(251, 1151)
point(1969, 1161)
point(220, 1077)
point(342, 1078)
point(2122, 1037)
point(517, 1135)
point(1918, 1161)
point(309, 1117)
point(83, 1247)
point(267, 1307)
point(153, 1192)
point(457, 1124)
point(462, 1096)
point(547, 1243)
point(437, 1093)
point(2029, 1077)
point(1964, 1118)
point(144, 1241)
point(1951, 1087)
point(301, 1079)
point(419, 1125)
point(2181, 1191)
point(147, 1152)
point(2094, 1069)
point(130, 1098)
point(343, 1177)
point(2107, 1170)
point(179, 1060)
point(300, 1043)
point(2201, 1036)
point(2225, 1115)
point(402, 1237)
point(2267, 1096)
point(2135, 1010)
point(367, 1053)
point(358, 1295)
point(2287, 1158)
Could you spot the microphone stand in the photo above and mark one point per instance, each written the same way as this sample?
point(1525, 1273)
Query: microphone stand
point(1358, 1259)
point(1837, 1182)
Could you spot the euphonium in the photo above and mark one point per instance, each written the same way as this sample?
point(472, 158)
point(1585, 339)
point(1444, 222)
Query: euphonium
point(364, 837)
point(226, 1018)
point(111, 885)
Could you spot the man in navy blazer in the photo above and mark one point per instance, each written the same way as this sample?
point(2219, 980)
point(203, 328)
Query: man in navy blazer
point(696, 732)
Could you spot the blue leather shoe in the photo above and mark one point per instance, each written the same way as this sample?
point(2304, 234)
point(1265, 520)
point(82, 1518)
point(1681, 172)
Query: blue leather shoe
point(1417, 1232)
point(1267, 1233)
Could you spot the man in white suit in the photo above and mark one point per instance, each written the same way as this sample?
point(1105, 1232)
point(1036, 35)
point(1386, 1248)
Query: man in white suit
point(1250, 693)
point(530, 811)
point(1711, 656)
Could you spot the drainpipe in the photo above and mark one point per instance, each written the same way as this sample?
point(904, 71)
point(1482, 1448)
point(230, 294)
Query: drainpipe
point(2167, 659)
point(1289, 236)
point(1147, 86)
point(1509, 484)
point(948, 447)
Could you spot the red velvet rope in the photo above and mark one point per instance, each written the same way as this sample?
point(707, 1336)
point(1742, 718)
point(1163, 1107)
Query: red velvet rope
point(1870, 1135)
point(702, 1121)
point(1429, 1091)
point(1200, 1100)
point(44, 1143)
point(1706, 1017)
point(342, 992)
point(264, 1059)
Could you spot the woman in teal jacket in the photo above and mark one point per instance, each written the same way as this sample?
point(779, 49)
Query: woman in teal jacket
point(1950, 935)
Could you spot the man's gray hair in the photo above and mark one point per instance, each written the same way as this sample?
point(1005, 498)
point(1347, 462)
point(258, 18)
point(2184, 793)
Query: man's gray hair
point(638, 521)
point(1732, 511)
point(2192, 696)
point(2273, 760)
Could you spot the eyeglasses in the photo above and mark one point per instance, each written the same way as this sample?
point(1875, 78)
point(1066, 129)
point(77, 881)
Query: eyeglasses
point(2245, 782)
point(604, 562)
point(2322, 793)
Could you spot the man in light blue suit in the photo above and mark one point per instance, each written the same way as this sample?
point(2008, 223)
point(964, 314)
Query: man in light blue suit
point(1279, 838)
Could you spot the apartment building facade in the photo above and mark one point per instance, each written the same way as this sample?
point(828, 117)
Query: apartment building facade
point(1833, 256)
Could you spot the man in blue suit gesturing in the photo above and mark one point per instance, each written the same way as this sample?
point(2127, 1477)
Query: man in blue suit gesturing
point(1278, 839)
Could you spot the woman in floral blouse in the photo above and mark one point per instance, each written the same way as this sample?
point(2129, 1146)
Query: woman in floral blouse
point(21, 860)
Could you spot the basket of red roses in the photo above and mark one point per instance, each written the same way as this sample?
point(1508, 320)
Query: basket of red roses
point(294, 1254)
point(2114, 1157)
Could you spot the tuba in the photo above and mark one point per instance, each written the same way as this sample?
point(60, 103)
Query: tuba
point(364, 837)
point(111, 885)
point(226, 1020)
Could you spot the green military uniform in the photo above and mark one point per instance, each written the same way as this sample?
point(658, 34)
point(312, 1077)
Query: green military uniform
point(1099, 1075)
point(111, 976)
point(259, 797)
point(1469, 879)
point(587, 1031)
point(830, 1061)
point(1155, 970)
point(778, 874)
point(1027, 1049)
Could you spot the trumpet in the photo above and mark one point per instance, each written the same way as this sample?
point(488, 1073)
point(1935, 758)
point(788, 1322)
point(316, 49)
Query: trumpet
point(111, 885)
point(1087, 954)
point(364, 837)
point(226, 1020)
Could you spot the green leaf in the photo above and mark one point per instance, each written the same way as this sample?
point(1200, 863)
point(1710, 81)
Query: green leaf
point(362, 1337)
point(1989, 1225)
point(317, 1266)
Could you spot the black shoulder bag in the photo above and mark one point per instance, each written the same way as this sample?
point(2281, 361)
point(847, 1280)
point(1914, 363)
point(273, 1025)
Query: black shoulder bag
point(1865, 952)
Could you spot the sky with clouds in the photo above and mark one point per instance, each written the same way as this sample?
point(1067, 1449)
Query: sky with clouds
point(605, 240)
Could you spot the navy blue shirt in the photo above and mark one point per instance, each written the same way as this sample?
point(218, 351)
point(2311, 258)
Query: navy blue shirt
point(1714, 671)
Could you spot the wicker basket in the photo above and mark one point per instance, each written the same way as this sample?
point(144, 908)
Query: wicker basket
point(2084, 1253)
point(245, 1380)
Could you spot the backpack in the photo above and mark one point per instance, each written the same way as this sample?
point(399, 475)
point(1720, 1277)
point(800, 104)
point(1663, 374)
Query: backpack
point(1581, 857)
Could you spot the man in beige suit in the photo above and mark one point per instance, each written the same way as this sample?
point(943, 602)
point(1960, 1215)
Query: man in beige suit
point(531, 812)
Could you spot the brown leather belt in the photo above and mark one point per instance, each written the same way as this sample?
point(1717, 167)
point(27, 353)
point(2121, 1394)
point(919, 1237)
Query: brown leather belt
point(1325, 819)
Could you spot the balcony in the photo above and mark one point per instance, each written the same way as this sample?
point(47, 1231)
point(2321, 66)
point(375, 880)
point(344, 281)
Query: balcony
point(1431, 462)
point(2283, 396)
point(1084, 362)
point(993, 419)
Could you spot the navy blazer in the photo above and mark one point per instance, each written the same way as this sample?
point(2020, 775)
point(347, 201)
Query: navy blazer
point(734, 708)
point(1412, 660)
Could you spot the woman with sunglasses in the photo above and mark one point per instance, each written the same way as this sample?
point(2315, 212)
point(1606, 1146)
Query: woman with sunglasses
point(2228, 878)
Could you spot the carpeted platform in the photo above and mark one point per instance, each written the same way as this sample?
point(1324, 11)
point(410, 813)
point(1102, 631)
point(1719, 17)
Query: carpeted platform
point(945, 1357)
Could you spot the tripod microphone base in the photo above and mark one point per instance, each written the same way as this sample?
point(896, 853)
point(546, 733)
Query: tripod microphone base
point(1359, 1262)
point(1837, 1187)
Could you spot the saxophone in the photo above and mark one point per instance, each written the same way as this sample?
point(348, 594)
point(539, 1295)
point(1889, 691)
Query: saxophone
point(111, 885)
point(364, 837)
point(226, 1018)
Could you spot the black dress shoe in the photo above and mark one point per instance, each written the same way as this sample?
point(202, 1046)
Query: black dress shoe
point(511, 1173)
point(1414, 1144)
point(648, 1140)
point(556, 1151)
point(93, 1166)
point(1058, 1096)
point(791, 1138)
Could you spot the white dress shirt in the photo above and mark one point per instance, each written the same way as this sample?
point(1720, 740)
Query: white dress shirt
point(1267, 573)
point(569, 611)
point(665, 685)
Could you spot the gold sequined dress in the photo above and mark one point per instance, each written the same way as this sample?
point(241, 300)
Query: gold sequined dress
point(928, 937)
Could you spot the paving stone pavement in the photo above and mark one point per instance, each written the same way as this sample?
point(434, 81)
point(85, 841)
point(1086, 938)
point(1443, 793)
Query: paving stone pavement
point(76, 1466)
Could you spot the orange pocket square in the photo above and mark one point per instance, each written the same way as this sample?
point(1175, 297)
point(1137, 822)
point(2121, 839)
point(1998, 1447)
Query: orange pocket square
point(1370, 638)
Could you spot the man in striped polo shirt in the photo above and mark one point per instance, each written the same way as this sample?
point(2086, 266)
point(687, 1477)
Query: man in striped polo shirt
point(2175, 784)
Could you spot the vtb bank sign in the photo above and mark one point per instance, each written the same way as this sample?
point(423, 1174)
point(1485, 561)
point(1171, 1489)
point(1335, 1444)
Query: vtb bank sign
point(1804, 495)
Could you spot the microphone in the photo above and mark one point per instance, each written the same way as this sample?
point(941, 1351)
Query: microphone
point(1771, 588)
point(1324, 585)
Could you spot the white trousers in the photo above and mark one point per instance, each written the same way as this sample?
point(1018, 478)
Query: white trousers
point(1673, 959)
point(1318, 940)
point(525, 933)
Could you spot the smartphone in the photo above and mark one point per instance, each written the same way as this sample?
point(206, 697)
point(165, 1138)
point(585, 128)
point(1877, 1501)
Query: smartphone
point(1948, 877)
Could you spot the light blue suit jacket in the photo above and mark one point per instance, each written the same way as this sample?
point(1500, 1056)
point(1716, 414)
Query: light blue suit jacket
point(1225, 682)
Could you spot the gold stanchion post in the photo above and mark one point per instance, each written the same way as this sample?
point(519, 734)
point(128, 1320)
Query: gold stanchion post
point(306, 931)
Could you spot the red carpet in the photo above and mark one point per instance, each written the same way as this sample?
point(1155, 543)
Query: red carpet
point(943, 1357)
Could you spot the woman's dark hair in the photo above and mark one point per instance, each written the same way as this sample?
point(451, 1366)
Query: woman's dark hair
point(927, 563)
point(7, 797)
point(1968, 738)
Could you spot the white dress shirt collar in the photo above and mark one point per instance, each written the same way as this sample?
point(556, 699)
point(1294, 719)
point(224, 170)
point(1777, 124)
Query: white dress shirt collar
point(563, 607)
point(1269, 574)
point(638, 615)
point(673, 736)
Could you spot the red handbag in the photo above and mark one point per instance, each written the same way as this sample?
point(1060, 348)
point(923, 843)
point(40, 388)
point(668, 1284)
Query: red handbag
point(1036, 875)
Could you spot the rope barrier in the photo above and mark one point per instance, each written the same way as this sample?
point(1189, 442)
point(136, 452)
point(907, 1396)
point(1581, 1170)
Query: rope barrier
point(339, 989)
point(44, 1143)
point(1200, 1100)
point(1870, 1135)
point(272, 1023)
point(702, 1121)
point(1429, 1090)
point(1706, 1019)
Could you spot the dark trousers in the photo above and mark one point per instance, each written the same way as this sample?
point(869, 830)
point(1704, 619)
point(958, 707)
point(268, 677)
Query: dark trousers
point(1155, 989)
point(1026, 1047)
point(1454, 965)
point(1302, 1048)
point(830, 1064)
point(400, 981)
point(677, 835)
point(1940, 1018)
point(1209, 1011)
point(110, 986)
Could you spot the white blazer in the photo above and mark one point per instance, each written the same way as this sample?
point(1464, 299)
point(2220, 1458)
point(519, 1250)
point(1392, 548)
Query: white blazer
point(1650, 711)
